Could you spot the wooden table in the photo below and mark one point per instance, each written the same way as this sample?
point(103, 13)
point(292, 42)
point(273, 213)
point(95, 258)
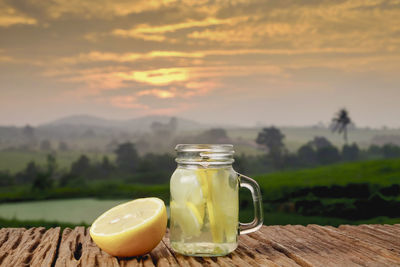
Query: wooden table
point(292, 245)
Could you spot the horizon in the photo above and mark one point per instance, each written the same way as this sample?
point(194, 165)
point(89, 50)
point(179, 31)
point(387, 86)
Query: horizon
point(319, 124)
point(243, 63)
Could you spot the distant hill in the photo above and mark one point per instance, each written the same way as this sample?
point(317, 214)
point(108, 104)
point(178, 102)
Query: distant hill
point(80, 120)
point(144, 123)
point(141, 124)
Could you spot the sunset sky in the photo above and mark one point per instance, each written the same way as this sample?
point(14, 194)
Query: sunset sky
point(233, 62)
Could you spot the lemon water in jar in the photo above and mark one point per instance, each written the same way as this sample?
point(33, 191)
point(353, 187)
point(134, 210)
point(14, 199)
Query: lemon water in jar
point(205, 201)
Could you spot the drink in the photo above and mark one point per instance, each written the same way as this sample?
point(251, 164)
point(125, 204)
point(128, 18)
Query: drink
point(204, 210)
point(205, 201)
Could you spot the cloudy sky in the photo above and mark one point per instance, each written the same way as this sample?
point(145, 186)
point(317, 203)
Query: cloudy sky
point(237, 62)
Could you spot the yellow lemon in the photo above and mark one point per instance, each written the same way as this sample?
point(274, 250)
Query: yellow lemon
point(131, 229)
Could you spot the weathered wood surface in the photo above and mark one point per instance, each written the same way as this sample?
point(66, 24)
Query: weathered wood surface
point(291, 245)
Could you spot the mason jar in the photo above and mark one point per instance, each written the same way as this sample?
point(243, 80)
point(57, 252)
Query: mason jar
point(204, 202)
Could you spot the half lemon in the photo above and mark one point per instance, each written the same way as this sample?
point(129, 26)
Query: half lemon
point(131, 229)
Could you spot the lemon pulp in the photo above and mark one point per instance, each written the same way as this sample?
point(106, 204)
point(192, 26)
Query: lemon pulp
point(131, 229)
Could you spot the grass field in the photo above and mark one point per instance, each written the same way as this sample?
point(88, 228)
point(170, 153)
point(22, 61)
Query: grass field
point(274, 186)
point(15, 161)
point(377, 172)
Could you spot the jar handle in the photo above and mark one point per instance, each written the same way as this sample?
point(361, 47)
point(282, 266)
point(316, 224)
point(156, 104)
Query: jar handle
point(247, 182)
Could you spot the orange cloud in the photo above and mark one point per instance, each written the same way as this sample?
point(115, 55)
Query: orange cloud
point(4, 58)
point(192, 81)
point(94, 81)
point(10, 16)
point(157, 33)
point(199, 88)
point(283, 51)
point(250, 33)
point(235, 70)
point(126, 102)
point(96, 56)
point(158, 93)
point(158, 76)
point(102, 8)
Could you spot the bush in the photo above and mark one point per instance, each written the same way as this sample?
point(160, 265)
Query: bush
point(391, 151)
point(328, 155)
point(350, 152)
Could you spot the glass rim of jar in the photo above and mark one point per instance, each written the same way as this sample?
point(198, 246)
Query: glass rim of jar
point(227, 148)
point(213, 154)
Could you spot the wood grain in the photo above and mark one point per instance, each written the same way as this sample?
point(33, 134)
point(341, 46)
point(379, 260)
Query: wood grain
point(32, 247)
point(373, 235)
point(77, 249)
point(291, 245)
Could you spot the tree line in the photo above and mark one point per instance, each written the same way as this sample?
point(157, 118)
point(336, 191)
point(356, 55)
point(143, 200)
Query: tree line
point(130, 167)
point(318, 151)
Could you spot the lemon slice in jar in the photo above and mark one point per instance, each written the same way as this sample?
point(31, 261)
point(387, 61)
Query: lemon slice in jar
point(186, 187)
point(227, 203)
point(188, 217)
point(205, 177)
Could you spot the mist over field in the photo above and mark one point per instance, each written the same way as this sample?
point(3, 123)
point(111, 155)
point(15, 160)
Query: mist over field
point(160, 134)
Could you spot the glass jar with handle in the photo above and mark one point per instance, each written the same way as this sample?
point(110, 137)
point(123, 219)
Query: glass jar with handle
point(204, 204)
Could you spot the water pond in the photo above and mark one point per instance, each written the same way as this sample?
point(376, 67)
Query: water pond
point(82, 210)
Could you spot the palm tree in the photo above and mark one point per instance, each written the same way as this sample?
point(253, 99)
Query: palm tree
point(340, 123)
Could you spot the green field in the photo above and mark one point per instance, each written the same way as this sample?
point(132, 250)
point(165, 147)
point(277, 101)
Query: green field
point(15, 161)
point(378, 172)
point(277, 189)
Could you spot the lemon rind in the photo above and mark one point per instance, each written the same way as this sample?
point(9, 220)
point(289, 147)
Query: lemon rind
point(156, 214)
